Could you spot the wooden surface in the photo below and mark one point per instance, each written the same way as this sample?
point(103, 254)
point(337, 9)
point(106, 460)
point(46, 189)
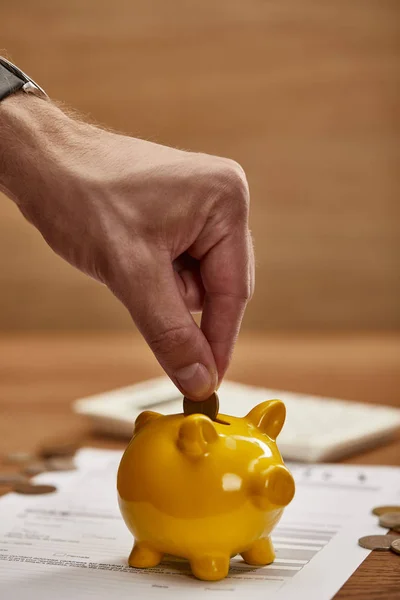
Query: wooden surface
point(304, 93)
point(40, 375)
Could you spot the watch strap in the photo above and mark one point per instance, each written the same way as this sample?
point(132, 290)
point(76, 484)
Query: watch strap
point(9, 82)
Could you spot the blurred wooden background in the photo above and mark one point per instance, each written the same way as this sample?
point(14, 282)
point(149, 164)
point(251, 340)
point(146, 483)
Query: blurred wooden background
point(304, 93)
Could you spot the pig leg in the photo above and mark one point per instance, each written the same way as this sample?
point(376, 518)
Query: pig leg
point(143, 555)
point(260, 553)
point(210, 567)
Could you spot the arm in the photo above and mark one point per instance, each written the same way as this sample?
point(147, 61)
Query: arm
point(165, 230)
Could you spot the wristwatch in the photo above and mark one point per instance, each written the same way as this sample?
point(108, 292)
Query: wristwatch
point(13, 79)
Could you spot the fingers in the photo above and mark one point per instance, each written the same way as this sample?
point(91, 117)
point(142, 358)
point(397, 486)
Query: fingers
point(225, 251)
point(228, 278)
point(159, 311)
point(252, 266)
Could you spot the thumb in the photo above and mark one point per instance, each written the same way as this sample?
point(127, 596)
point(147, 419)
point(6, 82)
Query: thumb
point(160, 313)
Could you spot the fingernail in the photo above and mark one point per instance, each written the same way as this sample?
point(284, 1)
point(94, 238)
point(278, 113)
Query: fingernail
point(195, 380)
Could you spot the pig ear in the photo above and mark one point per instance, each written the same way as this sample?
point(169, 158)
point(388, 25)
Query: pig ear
point(144, 418)
point(195, 435)
point(269, 417)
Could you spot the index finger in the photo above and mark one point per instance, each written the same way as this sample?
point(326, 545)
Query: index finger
point(228, 277)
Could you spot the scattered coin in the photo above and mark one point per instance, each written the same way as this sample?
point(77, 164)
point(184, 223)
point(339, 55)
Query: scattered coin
point(391, 520)
point(34, 468)
point(18, 457)
point(60, 463)
point(58, 449)
point(209, 407)
point(377, 542)
point(381, 510)
point(11, 478)
point(31, 488)
point(395, 546)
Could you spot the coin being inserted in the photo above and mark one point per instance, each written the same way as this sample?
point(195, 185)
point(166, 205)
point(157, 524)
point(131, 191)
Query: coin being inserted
point(209, 407)
point(377, 542)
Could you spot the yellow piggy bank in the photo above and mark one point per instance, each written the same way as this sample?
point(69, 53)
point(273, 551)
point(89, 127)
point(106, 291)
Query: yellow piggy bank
point(204, 490)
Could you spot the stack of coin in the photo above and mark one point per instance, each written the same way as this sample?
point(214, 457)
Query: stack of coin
point(389, 517)
point(51, 457)
point(57, 449)
point(18, 458)
point(391, 520)
point(35, 467)
point(60, 463)
point(11, 478)
point(381, 510)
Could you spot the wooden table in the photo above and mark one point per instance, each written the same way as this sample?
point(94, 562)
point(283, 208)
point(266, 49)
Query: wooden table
point(41, 374)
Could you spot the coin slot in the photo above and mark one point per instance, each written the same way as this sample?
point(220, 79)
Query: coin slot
point(221, 422)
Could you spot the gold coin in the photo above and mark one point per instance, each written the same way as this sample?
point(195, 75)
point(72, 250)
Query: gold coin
point(35, 468)
point(209, 407)
point(60, 449)
point(30, 488)
point(18, 457)
point(11, 478)
point(60, 463)
point(381, 510)
point(391, 520)
point(377, 542)
point(395, 546)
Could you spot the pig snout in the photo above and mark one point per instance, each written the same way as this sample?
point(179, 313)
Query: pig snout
point(274, 486)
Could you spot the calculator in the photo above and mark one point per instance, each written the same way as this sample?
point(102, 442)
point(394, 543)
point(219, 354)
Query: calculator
point(317, 429)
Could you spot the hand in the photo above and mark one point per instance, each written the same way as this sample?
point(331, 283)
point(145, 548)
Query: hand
point(165, 230)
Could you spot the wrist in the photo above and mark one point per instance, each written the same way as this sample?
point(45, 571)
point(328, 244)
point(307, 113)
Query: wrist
point(34, 135)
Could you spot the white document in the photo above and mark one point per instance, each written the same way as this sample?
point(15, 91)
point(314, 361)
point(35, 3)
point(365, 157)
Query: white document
point(74, 545)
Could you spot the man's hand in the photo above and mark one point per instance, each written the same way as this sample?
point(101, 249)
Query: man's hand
point(165, 230)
